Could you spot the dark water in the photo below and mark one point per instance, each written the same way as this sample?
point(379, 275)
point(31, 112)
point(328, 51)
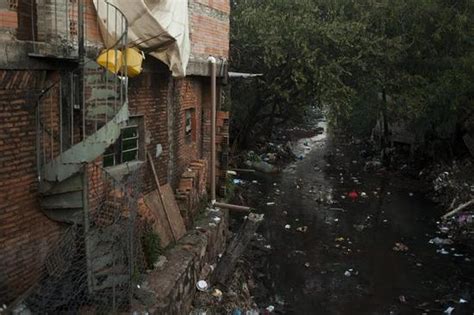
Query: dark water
point(345, 262)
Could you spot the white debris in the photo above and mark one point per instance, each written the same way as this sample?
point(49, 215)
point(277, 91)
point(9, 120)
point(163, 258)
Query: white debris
point(440, 241)
point(287, 226)
point(270, 203)
point(449, 310)
point(347, 273)
point(202, 285)
point(442, 251)
point(270, 308)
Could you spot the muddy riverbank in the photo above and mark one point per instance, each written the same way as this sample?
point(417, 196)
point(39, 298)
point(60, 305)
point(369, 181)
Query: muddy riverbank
point(345, 239)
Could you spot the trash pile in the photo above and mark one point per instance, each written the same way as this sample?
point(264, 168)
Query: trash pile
point(268, 158)
point(453, 188)
point(233, 299)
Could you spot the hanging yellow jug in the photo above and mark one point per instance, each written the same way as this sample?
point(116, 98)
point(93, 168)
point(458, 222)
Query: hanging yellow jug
point(134, 62)
point(111, 59)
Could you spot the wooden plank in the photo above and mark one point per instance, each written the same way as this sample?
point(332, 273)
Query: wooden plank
point(173, 211)
point(160, 195)
point(236, 248)
point(161, 227)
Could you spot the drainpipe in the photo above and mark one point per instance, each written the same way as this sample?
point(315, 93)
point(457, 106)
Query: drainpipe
point(212, 61)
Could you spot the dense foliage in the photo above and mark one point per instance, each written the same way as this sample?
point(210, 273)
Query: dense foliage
point(412, 60)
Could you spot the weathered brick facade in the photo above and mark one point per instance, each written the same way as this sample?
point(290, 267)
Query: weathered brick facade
point(164, 102)
point(25, 232)
point(209, 27)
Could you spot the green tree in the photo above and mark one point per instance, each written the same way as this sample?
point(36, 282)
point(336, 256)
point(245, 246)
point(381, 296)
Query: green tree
point(409, 60)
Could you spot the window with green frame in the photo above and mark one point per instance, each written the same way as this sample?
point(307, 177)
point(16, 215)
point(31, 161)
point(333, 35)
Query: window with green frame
point(126, 149)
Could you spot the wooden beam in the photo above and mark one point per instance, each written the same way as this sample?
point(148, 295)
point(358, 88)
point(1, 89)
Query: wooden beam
point(157, 182)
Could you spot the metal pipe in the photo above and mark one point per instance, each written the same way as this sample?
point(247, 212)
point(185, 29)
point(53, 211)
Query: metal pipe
point(232, 207)
point(51, 126)
point(68, 26)
point(38, 141)
point(81, 41)
point(60, 127)
point(212, 61)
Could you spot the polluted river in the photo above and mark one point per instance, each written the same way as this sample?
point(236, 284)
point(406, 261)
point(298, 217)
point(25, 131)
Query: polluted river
point(344, 237)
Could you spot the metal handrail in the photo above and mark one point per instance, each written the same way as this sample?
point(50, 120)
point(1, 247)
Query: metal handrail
point(55, 132)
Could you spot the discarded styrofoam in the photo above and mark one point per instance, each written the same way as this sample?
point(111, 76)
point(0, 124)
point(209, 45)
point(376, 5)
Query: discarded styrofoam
point(202, 285)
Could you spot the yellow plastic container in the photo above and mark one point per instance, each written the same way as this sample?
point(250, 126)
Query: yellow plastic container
point(134, 62)
point(111, 59)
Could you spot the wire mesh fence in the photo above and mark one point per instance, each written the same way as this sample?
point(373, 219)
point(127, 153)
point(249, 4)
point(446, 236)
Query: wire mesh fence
point(95, 265)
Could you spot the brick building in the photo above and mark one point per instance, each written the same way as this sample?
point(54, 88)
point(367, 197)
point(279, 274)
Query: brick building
point(52, 135)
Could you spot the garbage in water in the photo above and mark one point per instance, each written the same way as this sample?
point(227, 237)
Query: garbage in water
point(347, 273)
point(442, 251)
point(363, 195)
point(287, 226)
point(236, 312)
point(440, 241)
point(449, 310)
point(237, 181)
point(268, 246)
point(462, 301)
point(202, 285)
point(217, 293)
point(270, 203)
point(402, 299)
point(400, 247)
point(270, 308)
point(359, 227)
point(302, 229)
point(353, 195)
point(307, 265)
point(232, 173)
point(216, 219)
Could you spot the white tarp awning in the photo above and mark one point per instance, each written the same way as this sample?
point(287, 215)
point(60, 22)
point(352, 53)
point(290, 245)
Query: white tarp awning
point(159, 27)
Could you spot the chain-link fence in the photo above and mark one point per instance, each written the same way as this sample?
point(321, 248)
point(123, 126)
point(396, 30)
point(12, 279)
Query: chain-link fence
point(95, 265)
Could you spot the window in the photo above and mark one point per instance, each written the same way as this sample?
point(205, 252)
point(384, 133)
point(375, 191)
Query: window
point(189, 121)
point(128, 147)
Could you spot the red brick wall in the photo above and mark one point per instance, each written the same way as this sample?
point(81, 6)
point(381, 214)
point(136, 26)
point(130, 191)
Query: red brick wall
point(187, 96)
point(221, 5)
point(148, 95)
point(209, 27)
point(92, 32)
point(25, 232)
point(8, 19)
